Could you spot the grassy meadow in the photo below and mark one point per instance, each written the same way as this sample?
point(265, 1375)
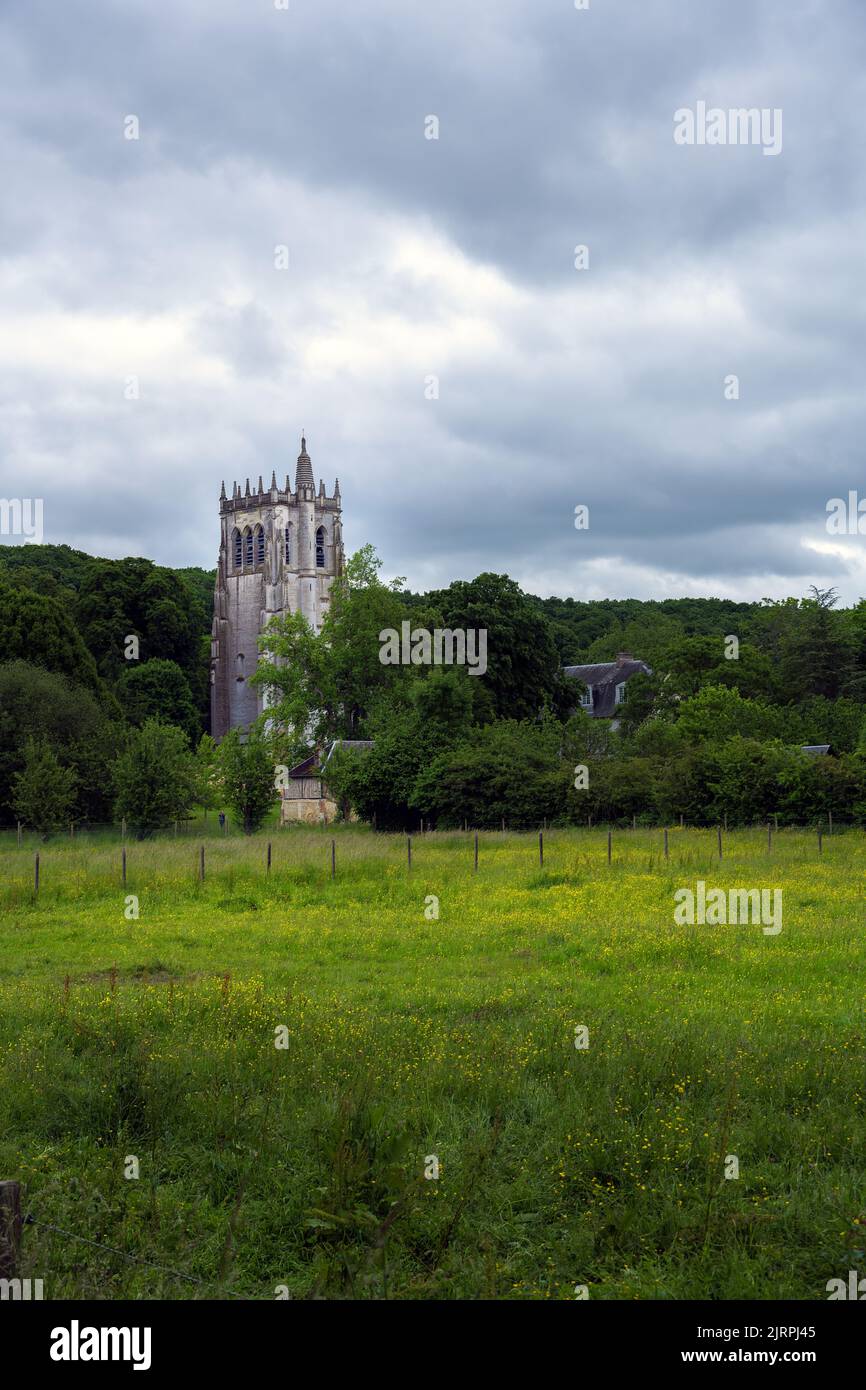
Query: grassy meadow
point(302, 1167)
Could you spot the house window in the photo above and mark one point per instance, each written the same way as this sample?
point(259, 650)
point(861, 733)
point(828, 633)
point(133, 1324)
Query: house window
point(620, 693)
point(586, 698)
point(248, 547)
point(260, 546)
point(237, 545)
point(320, 548)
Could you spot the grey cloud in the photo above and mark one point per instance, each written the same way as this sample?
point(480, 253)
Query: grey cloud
point(261, 127)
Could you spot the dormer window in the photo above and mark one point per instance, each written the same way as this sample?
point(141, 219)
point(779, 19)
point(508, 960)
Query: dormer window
point(586, 698)
point(620, 693)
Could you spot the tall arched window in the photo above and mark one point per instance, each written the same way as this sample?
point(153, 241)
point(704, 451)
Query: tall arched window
point(320, 548)
point(248, 547)
point(288, 545)
point(238, 548)
point(260, 546)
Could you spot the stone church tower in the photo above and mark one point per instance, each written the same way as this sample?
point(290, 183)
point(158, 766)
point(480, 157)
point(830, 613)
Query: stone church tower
point(279, 552)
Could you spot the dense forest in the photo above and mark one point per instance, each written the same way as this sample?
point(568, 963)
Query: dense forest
point(104, 691)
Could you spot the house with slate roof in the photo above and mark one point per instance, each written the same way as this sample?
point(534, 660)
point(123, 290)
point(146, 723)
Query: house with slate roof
point(605, 684)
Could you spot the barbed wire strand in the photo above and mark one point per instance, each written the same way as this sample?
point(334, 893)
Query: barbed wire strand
point(134, 1259)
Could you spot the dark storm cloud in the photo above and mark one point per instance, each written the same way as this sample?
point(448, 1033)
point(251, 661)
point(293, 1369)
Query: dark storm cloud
point(453, 258)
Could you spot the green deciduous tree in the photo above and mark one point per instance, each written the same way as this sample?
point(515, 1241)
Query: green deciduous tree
point(157, 689)
point(508, 769)
point(40, 630)
point(208, 781)
point(154, 777)
point(248, 774)
point(523, 670)
point(45, 706)
point(322, 686)
point(43, 792)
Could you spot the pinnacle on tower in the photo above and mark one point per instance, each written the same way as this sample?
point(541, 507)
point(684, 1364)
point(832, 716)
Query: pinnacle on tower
point(223, 491)
point(304, 470)
point(273, 480)
point(337, 488)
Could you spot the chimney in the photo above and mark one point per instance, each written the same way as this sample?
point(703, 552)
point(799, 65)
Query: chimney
point(622, 657)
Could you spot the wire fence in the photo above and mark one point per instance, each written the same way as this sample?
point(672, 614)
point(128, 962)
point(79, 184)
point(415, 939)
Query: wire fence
point(31, 1220)
point(212, 830)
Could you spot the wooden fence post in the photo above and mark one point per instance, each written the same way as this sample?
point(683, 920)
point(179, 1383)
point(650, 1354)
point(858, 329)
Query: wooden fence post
point(720, 841)
point(19, 834)
point(769, 837)
point(201, 864)
point(10, 1228)
point(830, 820)
point(269, 856)
point(820, 840)
point(541, 849)
point(666, 842)
point(409, 851)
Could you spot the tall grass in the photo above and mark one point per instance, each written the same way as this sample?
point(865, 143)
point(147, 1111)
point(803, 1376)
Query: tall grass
point(410, 1036)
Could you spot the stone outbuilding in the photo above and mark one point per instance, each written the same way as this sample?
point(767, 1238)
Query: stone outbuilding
point(306, 798)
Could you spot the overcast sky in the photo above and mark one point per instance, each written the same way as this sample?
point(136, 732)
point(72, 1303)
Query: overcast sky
point(411, 258)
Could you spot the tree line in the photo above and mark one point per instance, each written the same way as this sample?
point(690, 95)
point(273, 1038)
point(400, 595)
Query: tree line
point(90, 735)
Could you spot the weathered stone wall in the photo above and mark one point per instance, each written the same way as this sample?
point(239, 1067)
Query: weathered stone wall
point(247, 597)
point(307, 811)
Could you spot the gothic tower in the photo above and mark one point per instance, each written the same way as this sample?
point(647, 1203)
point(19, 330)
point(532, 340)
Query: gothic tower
point(279, 552)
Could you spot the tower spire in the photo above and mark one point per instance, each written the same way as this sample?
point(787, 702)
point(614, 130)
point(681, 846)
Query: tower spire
point(304, 470)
